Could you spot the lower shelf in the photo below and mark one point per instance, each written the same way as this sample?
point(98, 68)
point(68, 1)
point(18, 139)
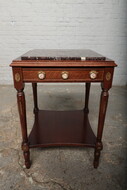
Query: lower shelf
point(61, 128)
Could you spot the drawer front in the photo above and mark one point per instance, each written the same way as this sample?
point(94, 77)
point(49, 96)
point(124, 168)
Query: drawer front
point(62, 75)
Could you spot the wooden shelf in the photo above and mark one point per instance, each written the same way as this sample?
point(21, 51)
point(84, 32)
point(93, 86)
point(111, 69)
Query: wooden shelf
point(61, 128)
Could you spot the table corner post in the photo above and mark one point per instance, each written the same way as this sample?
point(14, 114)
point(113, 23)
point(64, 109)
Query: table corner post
point(19, 86)
point(105, 85)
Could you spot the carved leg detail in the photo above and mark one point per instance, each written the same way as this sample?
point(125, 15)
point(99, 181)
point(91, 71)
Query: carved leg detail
point(22, 114)
point(34, 86)
point(97, 153)
point(102, 113)
point(26, 153)
point(86, 109)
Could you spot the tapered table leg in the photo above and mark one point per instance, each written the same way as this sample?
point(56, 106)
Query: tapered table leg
point(86, 109)
point(102, 113)
point(22, 114)
point(34, 86)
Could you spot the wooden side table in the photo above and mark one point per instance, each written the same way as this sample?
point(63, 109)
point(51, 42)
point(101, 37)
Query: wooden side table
point(62, 128)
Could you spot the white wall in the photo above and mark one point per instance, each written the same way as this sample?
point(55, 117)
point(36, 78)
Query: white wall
point(100, 25)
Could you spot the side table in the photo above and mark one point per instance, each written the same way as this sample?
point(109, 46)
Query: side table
point(62, 128)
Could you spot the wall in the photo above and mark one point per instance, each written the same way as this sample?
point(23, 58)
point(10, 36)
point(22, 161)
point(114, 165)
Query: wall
point(99, 25)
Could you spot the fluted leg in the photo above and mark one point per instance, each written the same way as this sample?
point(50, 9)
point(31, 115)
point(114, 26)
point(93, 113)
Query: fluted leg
point(22, 114)
point(102, 113)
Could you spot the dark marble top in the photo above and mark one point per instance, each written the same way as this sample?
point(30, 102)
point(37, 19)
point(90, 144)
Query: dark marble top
point(60, 54)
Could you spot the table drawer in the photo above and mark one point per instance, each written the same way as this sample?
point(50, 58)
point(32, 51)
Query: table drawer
point(62, 75)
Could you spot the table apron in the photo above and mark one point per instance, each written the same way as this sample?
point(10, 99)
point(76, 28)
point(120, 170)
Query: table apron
point(56, 75)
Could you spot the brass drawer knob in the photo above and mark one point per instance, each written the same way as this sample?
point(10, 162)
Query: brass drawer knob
point(65, 75)
point(93, 74)
point(41, 75)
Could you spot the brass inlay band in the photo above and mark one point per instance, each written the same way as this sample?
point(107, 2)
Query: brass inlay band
point(17, 77)
point(108, 76)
